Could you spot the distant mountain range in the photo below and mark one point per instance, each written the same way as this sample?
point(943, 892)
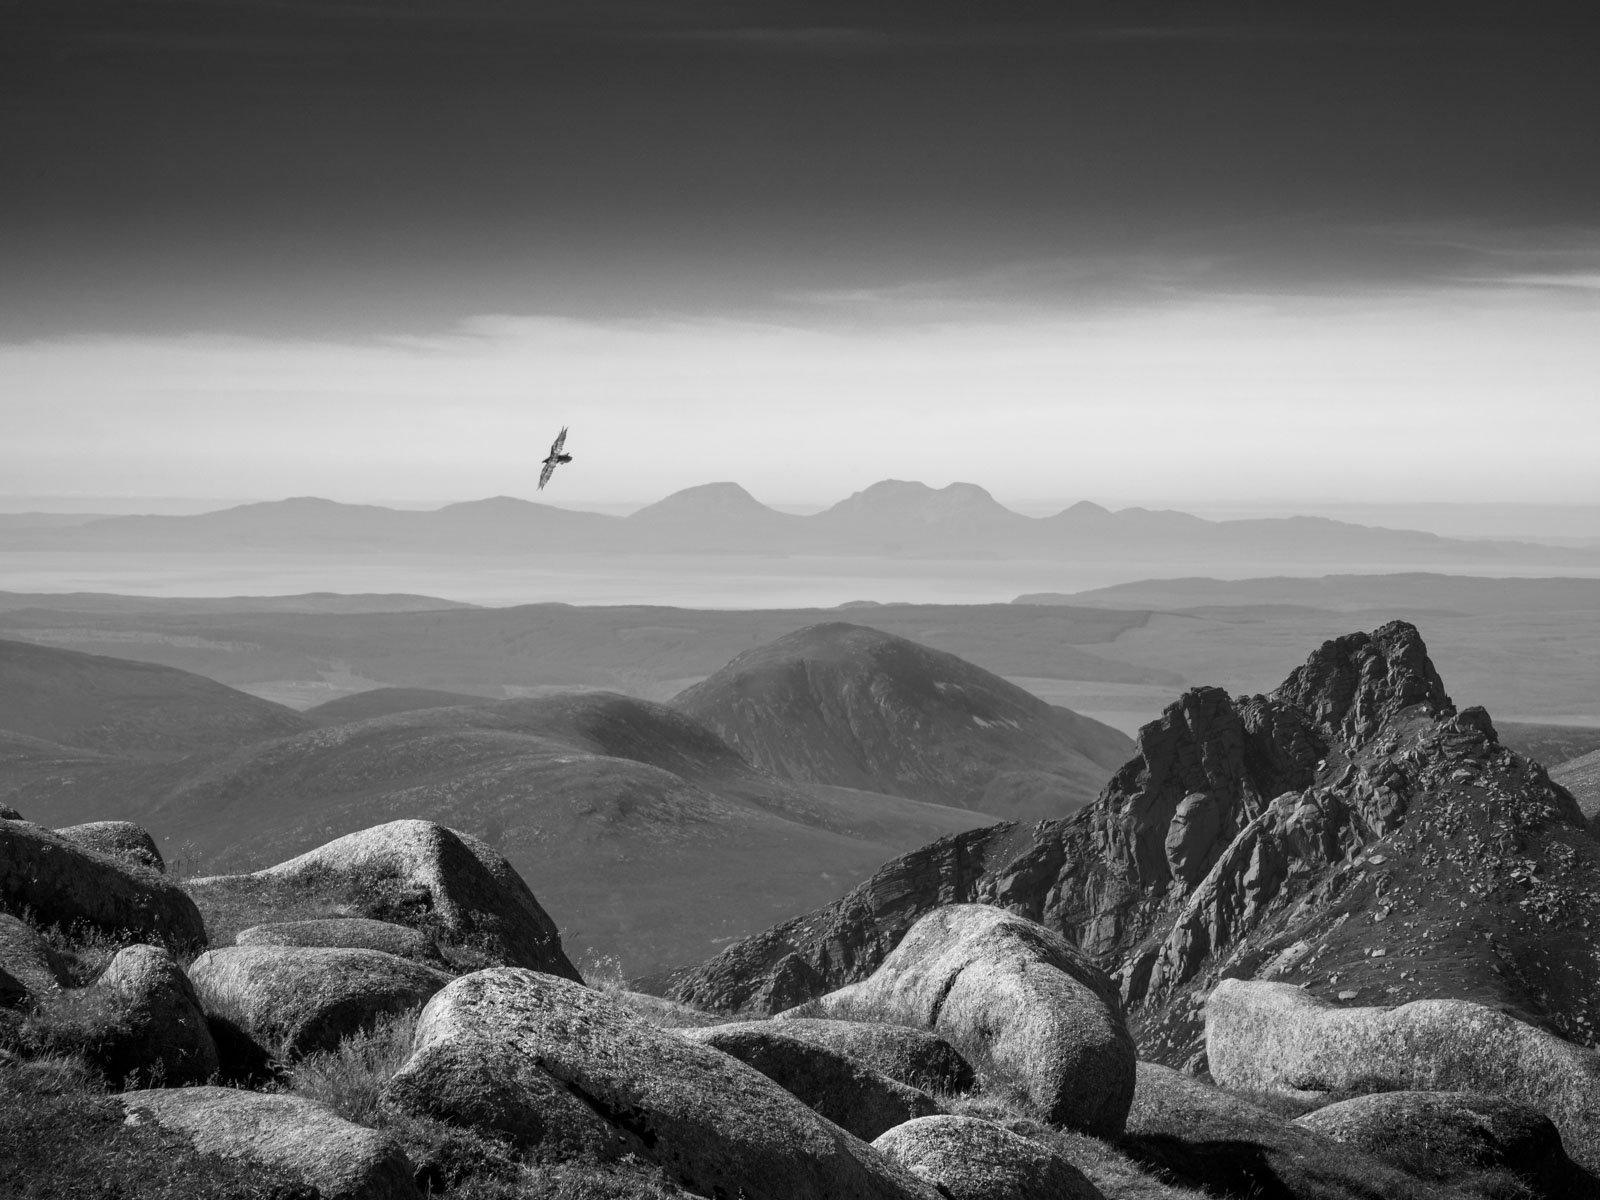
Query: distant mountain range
point(892, 518)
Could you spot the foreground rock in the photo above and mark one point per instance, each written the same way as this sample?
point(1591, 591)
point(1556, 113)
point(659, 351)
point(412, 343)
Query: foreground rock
point(1455, 1138)
point(495, 1088)
point(412, 873)
point(118, 839)
point(851, 1094)
point(1272, 1037)
point(970, 1159)
point(307, 1140)
point(290, 1000)
point(711, 1123)
point(1035, 1019)
point(60, 883)
point(155, 1029)
point(1225, 1144)
point(915, 1057)
point(25, 963)
point(347, 933)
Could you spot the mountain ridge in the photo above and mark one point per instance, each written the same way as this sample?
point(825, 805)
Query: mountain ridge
point(893, 517)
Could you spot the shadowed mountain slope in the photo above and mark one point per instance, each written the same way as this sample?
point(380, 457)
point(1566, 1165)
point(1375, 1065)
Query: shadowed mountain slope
point(642, 832)
point(114, 705)
point(1351, 832)
point(843, 704)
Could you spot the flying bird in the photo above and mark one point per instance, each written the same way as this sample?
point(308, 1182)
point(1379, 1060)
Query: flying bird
point(555, 458)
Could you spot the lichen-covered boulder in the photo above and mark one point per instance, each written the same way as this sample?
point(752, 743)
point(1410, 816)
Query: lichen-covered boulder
point(414, 873)
point(851, 1094)
point(1226, 1144)
point(708, 1121)
point(290, 1000)
point(1270, 1037)
point(61, 883)
point(118, 839)
point(492, 1087)
point(25, 960)
point(1035, 1018)
point(970, 1159)
point(915, 1057)
point(1454, 1137)
point(347, 933)
point(307, 1140)
point(156, 1029)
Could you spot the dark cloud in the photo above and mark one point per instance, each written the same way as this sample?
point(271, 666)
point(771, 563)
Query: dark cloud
point(262, 167)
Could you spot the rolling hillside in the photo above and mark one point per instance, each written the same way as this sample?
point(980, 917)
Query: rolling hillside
point(843, 704)
point(89, 702)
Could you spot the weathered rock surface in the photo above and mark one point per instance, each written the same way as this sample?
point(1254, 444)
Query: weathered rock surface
point(915, 1057)
point(711, 1123)
point(1455, 1137)
point(970, 1159)
point(59, 883)
point(419, 874)
point(1270, 1037)
point(1033, 1016)
point(851, 1094)
point(25, 961)
point(289, 1000)
point(347, 933)
point(1350, 832)
point(117, 839)
point(1224, 1143)
point(486, 1085)
point(156, 1029)
point(341, 1160)
point(856, 707)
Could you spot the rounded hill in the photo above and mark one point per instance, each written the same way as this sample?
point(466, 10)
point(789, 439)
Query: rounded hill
point(846, 705)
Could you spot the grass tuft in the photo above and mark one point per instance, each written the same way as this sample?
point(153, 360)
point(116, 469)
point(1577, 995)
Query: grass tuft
point(350, 1077)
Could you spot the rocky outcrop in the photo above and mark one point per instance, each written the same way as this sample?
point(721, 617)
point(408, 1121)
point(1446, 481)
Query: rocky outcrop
point(1352, 687)
point(1272, 1037)
point(300, 1137)
point(154, 1028)
point(290, 1000)
point(347, 933)
point(708, 1121)
point(847, 1092)
point(1456, 1138)
point(419, 874)
point(26, 971)
point(971, 1159)
point(1037, 1021)
point(1226, 1145)
point(485, 1085)
point(1350, 832)
point(856, 707)
point(117, 839)
point(56, 882)
point(915, 1057)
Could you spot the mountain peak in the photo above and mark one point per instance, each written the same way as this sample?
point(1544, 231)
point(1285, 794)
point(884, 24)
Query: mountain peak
point(1353, 684)
point(708, 499)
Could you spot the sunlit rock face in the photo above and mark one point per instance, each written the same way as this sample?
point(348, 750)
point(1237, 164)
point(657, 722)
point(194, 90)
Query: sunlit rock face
point(1350, 832)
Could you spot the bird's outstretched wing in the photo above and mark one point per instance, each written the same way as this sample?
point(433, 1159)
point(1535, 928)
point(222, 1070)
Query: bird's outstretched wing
point(544, 475)
point(561, 440)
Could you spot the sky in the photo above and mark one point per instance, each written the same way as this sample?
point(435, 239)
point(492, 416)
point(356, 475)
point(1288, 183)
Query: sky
point(1125, 251)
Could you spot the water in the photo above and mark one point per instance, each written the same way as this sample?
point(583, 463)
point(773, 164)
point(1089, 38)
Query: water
point(688, 581)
